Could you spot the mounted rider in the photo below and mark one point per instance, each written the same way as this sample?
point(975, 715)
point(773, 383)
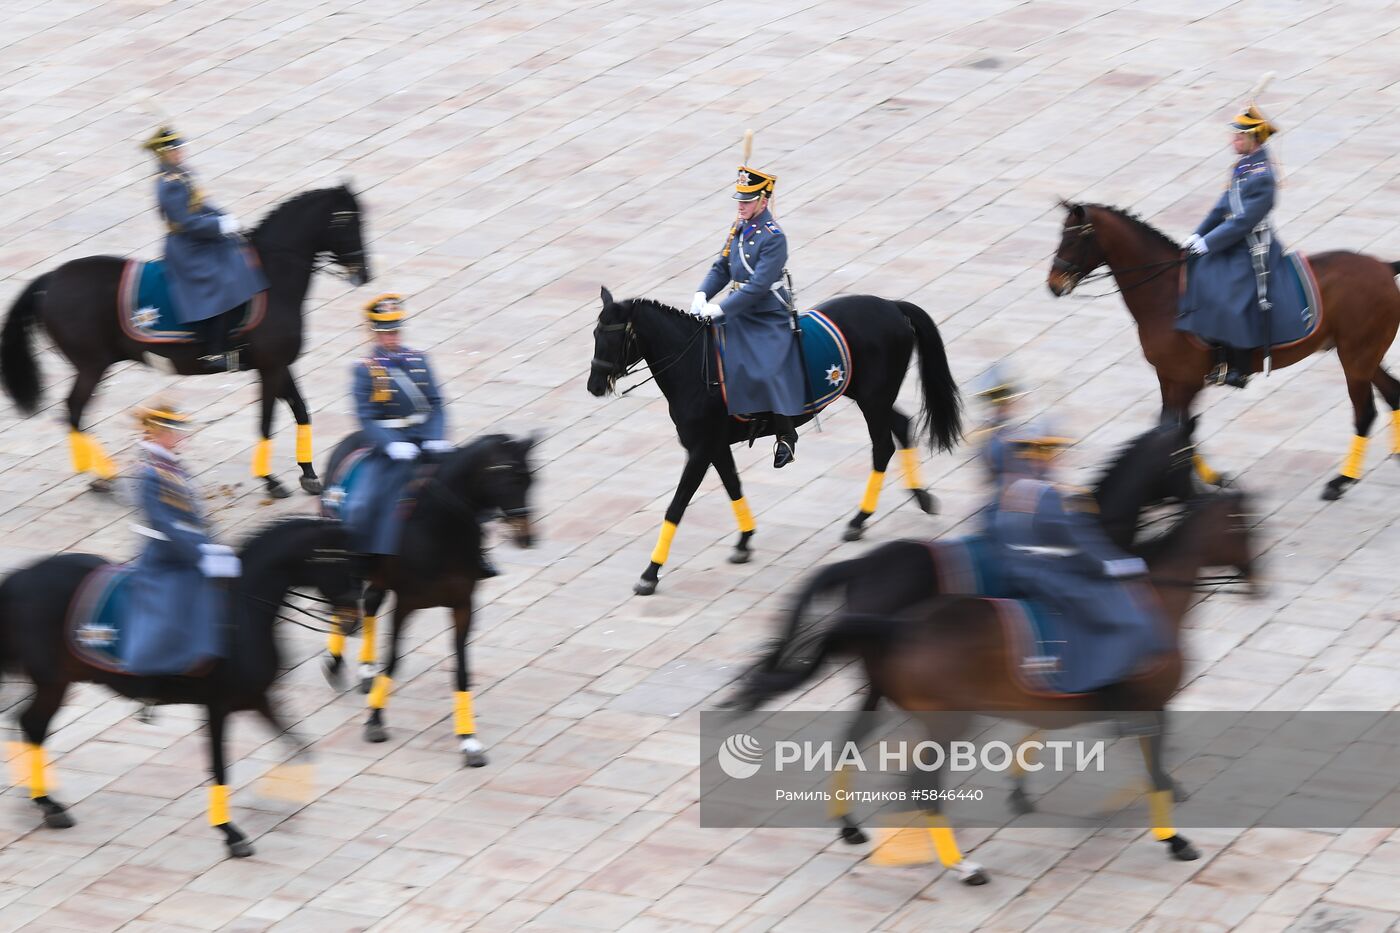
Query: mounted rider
point(207, 266)
point(401, 415)
point(763, 373)
point(1053, 550)
point(177, 608)
point(1233, 254)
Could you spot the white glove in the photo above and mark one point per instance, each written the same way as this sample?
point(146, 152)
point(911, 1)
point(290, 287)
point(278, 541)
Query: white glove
point(1196, 245)
point(1124, 567)
point(401, 450)
point(219, 562)
point(698, 302)
point(228, 225)
point(711, 310)
point(438, 447)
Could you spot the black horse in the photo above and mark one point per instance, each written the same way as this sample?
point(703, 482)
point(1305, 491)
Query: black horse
point(77, 305)
point(678, 348)
point(1154, 468)
point(439, 562)
point(34, 607)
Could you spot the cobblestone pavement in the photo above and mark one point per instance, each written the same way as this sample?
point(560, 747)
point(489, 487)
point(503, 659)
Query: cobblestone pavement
point(514, 157)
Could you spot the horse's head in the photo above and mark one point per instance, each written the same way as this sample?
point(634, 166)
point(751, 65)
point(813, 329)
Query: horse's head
point(615, 349)
point(1156, 467)
point(1079, 252)
point(1217, 531)
point(493, 474)
point(305, 552)
point(321, 225)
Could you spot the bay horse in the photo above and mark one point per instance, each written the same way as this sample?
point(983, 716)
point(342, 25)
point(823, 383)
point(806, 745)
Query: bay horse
point(77, 304)
point(897, 574)
point(438, 563)
point(35, 603)
point(679, 350)
point(956, 654)
point(1359, 316)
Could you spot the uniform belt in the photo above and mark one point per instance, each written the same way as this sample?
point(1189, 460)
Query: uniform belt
point(1044, 550)
point(409, 421)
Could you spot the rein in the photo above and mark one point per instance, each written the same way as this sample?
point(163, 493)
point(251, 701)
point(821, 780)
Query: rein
point(616, 370)
point(1072, 268)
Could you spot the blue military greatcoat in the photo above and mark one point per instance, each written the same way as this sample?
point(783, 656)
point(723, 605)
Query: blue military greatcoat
point(175, 612)
point(208, 272)
point(1061, 557)
point(396, 399)
point(1221, 303)
point(762, 367)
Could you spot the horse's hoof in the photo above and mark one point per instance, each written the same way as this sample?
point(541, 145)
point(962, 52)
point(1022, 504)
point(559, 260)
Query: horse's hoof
point(274, 488)
point(311, 485)
point(101, 486)
point(1179, 794)
point(1021, 804)
point(644, 587)
point(1338, 485)
point(854, 836)
point(476, 759)
point(853, 533)
point(740, 556)
point(366, 685)
point(58, 819)
point(1181, 850)
point(240, 848)
point(375, 732)
point(975, 878)
point(927, 501)
point(333, 671)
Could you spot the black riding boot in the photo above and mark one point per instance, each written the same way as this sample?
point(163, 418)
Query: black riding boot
point(1239, 364)
point(785, 443)
point(215, 335)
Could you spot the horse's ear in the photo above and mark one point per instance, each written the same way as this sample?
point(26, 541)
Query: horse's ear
point(533, 439)
point(607, 297)
point(349, 185)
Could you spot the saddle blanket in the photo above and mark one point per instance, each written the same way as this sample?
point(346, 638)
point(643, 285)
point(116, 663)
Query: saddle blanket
point(344, 484)
point(147, 312)
point(1296, 310)
point(964, 567)
point(96, 626)
point(828, 360)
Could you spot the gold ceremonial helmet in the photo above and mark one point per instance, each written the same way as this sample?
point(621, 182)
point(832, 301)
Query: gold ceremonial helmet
point(1252, 122)
point(163, 414)
point(385, 312)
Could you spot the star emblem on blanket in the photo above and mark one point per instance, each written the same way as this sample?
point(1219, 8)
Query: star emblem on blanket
point(145, 317)
point(834, 375)
point(96, 636)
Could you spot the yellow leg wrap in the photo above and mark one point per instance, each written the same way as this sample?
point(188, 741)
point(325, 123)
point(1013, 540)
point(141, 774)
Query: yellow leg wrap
point(1351, 466)
point(663, 543)
point(1204, 471)
point(943, 842)
point(463, 722)
point(37, 787)
point(218, 804)
point(1159, 808)
point(871, 498)
point(262, 458)
point(102, 464)
point(335, 642)
point(1395, 425)
point(742, 514)
point(367, 635)
point(840, 805)
point(303, 443)
point(80, 450)
point(379, 693)
point(909, 463)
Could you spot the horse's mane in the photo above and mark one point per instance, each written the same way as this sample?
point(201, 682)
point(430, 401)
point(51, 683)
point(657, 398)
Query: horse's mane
point(296, 201)
point(1137, 221)
point(654, 305)
point(282, 526)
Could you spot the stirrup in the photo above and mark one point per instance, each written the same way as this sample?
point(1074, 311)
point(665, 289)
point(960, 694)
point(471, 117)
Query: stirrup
point(220, 362)
point(784, 452)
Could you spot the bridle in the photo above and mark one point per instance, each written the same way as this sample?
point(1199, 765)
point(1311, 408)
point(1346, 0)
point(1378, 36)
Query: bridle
point(342, 265)
point(616, 369)
point(1075, 270)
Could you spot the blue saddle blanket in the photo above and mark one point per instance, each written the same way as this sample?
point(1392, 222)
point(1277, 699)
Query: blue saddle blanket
point(828, 360)
point(107, 629)
point(147, 311)
point(345, 484)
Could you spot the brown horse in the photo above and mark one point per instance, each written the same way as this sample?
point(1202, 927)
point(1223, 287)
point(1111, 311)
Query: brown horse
point(955, 654)
point(1360, 313)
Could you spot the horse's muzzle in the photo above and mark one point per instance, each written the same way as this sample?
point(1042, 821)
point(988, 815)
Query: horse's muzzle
point(522, 531)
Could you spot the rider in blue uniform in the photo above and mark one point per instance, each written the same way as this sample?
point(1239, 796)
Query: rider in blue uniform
point(999, 389)
point(176, 606)
point(1234, 252)
point(1053, 550)
point(208, 271)
point(762, 363)
point(401, 415)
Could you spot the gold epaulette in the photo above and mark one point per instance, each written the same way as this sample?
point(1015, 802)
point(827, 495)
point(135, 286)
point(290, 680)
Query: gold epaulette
point(379, 382)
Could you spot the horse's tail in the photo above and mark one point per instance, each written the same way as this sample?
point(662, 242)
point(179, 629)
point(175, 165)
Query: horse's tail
point(19, 368)
point(942, 408)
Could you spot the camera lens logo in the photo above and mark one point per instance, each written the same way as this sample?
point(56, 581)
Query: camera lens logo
point(740, 756)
